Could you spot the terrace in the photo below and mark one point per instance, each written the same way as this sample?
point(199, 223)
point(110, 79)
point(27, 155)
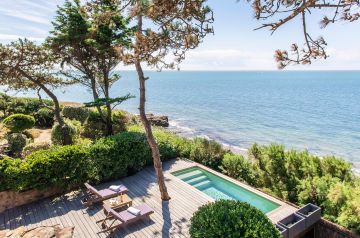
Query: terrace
point(171, 219)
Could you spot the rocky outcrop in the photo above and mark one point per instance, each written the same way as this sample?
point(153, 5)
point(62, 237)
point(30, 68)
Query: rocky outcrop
point(162, 121)
point(39, 232)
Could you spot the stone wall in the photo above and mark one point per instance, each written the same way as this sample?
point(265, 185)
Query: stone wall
point(327, 229)
point(10, 199)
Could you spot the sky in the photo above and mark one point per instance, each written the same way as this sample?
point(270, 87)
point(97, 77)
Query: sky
point(234, 46)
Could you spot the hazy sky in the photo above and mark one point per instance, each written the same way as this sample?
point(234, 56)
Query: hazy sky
point(235, 45)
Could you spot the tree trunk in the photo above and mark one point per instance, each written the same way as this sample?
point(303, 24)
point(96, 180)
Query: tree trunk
point(150, 137)
point(109, 125)
point(67, 140)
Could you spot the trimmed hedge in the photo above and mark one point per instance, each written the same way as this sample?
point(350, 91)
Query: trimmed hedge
point(17, 123)
point(228, 218)
point(69, 166)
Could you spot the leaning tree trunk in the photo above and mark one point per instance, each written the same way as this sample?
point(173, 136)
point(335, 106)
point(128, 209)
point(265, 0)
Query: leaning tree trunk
point(150, 137)
point(67, 140)
point(109, 123)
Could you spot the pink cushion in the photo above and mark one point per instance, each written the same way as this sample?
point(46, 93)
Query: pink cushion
point(126, 216)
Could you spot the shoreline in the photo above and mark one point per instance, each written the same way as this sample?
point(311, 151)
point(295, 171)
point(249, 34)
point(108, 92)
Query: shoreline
point(188, 132)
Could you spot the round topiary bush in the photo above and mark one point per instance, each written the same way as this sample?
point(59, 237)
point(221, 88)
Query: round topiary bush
point(57, 135)
point(76, 113)
point(17, 142)
point(44, 118)
point(30, 148)
point(17, 123)
point(228, 218)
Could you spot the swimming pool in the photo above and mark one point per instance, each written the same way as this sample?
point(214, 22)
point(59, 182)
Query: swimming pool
point(219, 188)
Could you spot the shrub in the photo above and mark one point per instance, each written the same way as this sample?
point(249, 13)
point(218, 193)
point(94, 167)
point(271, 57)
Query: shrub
point(117, 155)
point(76, 113)
point(337, 168)
point(228, 218)
point(19, 122)
point(63, 167)
point(30, 148)
point(207, 152)
point(74, 131)
point(17, 142)
point(238, 167)
point(44, 118)
point(95, 128)
point(14, 105)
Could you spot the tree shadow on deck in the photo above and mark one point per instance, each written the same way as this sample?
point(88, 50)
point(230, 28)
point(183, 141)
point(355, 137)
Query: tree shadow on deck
point(67, 209)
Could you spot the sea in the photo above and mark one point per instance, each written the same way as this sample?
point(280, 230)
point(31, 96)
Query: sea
point(317, 111)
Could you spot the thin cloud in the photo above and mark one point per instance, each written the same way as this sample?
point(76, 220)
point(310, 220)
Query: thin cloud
point(9, 37)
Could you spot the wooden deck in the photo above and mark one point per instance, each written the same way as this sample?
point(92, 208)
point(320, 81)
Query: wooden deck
point(171, 219)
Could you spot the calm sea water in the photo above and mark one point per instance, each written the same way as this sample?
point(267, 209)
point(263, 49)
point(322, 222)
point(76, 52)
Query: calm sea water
point(318, 111)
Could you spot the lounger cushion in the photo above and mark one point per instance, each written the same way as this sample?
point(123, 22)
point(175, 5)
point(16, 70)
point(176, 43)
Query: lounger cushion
point(105, 193)
point(126, 216)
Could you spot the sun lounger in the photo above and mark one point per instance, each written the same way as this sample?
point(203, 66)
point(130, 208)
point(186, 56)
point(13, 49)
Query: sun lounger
point(115, 220)
point(94, 196)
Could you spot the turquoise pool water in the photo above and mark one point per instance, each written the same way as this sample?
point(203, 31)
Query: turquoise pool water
point(219, 188)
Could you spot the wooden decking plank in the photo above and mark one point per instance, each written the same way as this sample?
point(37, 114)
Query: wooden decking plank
point(75, 219)
point(155, 204)
point(2, 221)
point(171, 219)
point(86, 220)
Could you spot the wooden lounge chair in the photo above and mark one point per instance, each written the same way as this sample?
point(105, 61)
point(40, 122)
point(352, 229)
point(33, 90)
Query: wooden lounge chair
point(115, 220)
point(94, 196)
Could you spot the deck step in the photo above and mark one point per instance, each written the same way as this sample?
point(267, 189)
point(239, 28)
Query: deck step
point(197, 179)
point(202, 183)
point(190, 175)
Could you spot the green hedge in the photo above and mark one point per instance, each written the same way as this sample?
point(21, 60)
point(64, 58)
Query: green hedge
point(207, 152)
point(228, 218)
point(68, 166)
point(23, 105)
point(17, 123)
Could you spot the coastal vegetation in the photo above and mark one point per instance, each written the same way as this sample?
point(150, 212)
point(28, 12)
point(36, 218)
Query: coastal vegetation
point(295, 176)
point(95, 142)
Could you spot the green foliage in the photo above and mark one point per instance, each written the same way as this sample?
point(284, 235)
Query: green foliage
point(74, 128)
point(32, 147)
point(343, 205)
point(95, 127)
point(207, 152)
point(17, 123)
point(238, 167)
point(201, 150)
point(67, 166)
point(300, 177)
point(100, 102)
point(117, 155)
point(44, 117)
point(17, 142)
point(228, 218)
point(23, 105)
point(76, 113)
